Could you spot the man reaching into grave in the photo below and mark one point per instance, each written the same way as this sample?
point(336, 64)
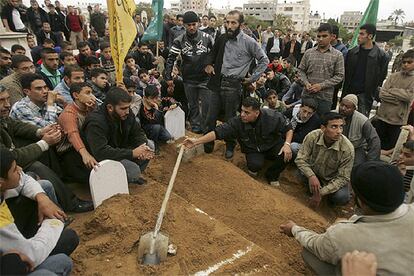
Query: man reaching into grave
point(259, 133)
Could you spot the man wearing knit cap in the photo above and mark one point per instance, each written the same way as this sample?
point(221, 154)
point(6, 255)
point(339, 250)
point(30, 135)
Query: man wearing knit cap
point(382, 225)
point(359, 130)
point(193, 46)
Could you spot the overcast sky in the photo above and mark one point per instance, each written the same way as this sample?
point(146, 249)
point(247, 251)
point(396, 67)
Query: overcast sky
point(331, 8)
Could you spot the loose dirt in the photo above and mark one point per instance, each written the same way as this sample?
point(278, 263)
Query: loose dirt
point(221, 220)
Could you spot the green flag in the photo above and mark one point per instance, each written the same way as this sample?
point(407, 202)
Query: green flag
point(154, 30)
point(370, 16)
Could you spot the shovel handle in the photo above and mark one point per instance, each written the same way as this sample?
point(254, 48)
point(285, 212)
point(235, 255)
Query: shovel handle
point(167, 194)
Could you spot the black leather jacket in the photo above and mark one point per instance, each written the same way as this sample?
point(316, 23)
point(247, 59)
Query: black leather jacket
point(193, 52)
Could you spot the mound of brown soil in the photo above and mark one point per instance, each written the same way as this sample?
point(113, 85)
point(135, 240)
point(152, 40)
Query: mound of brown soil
point(221, 220)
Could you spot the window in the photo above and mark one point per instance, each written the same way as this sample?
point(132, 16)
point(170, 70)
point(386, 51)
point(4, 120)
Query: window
point(288, 8)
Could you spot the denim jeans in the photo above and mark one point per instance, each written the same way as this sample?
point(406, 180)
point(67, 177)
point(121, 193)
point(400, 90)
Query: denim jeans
point(47, 186)
point(227, 99)
point(157, 133)
point(295, 147)
point(134, 169)
point(364, 104)
point(198, 97)
point(59, 264)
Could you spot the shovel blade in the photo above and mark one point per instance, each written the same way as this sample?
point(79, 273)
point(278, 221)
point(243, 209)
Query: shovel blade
point(160, 247)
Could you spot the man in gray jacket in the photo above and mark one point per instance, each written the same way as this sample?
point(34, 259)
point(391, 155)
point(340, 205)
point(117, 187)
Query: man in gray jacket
point(382, 225)
point(359, 130)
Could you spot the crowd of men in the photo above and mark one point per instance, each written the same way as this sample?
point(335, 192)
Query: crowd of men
point(282, 97)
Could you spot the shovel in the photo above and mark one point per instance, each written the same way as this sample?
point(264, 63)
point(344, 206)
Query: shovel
point(153, 246)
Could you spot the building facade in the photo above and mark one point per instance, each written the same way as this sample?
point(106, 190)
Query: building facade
point(299, 12)
point(350, 20)
point(261, 9)
point(198, 6)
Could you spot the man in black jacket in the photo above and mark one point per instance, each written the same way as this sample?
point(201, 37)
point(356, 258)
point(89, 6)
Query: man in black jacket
point(258, 132)
point(46, 32)
point(274, 46)
point(292, 50)
point(111, 132)
point(365, 69)
point(57, 21)
point(143, 57)
point(36, 16)
point(193, 47)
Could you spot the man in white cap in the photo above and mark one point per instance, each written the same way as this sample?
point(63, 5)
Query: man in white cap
point(359, 130)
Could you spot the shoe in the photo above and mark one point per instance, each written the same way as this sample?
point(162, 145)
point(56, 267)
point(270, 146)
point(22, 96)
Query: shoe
point(196, 130)
point(252, 174)
point(209, 147)
point(229, 153)
point(274, 183)
point(140, 181)
point(82, 206)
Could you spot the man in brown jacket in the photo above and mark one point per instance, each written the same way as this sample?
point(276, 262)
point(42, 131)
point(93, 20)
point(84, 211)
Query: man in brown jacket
point(396, 96)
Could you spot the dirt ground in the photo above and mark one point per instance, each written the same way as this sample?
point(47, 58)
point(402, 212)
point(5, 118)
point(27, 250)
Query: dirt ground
point(221, 220)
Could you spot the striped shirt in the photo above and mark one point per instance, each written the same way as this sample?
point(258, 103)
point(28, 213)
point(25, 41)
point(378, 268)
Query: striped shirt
point(71, 120)
point(26, 111)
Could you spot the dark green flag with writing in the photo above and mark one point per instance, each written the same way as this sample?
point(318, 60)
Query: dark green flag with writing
point(370, 16)
point(154, 30)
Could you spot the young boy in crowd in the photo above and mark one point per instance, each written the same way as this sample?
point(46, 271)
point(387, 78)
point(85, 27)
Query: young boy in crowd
point(91, 62)
point(66, 59)
point(250, 91)
point(67, 47)
point(107, 61)
point(272, 102)
point(151, 116)
point(17, 49)
point(77, 162)
point(176, 90)
point(130, 72)
point(32, 225)
point(84, 52)
point(99, 84)
point(146, 79)
point(136, 99)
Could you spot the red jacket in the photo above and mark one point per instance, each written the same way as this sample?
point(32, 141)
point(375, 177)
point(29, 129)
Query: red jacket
point(73, 22)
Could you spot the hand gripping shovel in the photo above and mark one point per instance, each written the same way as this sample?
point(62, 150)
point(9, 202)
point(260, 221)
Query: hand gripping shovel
point(153, 246)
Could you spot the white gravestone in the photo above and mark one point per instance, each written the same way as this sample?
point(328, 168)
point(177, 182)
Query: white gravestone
point(175, 122)
point(107, 180)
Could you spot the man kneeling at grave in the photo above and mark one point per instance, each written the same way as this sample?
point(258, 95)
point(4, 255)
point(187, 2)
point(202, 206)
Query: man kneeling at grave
point(382, 225)
point(325, 159)
point(258, 132)
point(111, 132)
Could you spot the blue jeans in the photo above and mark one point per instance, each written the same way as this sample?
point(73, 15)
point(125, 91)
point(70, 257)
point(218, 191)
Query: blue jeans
point(59, 264)
point(157, 133)
point(198, 96)
point(134, 169)
point(295, 147)
point(47, 186)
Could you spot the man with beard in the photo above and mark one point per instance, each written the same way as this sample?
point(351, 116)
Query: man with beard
point(193, 47)
point(5, 62)
point(228, 65)
point(111, 132)
point(359, 130)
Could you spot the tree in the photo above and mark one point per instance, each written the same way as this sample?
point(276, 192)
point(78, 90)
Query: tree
point(412, 41)
point(343, 32)
point(141, 6)
point(282, 22)
point(252, 22)
point(397, 41)
point(398, 15)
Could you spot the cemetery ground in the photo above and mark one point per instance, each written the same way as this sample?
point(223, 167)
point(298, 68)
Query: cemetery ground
point(221, 220)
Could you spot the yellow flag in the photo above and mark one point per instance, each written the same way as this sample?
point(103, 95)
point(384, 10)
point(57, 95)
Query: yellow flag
point(122, 31)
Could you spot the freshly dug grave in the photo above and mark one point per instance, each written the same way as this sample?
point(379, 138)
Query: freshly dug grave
point(222, 221)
